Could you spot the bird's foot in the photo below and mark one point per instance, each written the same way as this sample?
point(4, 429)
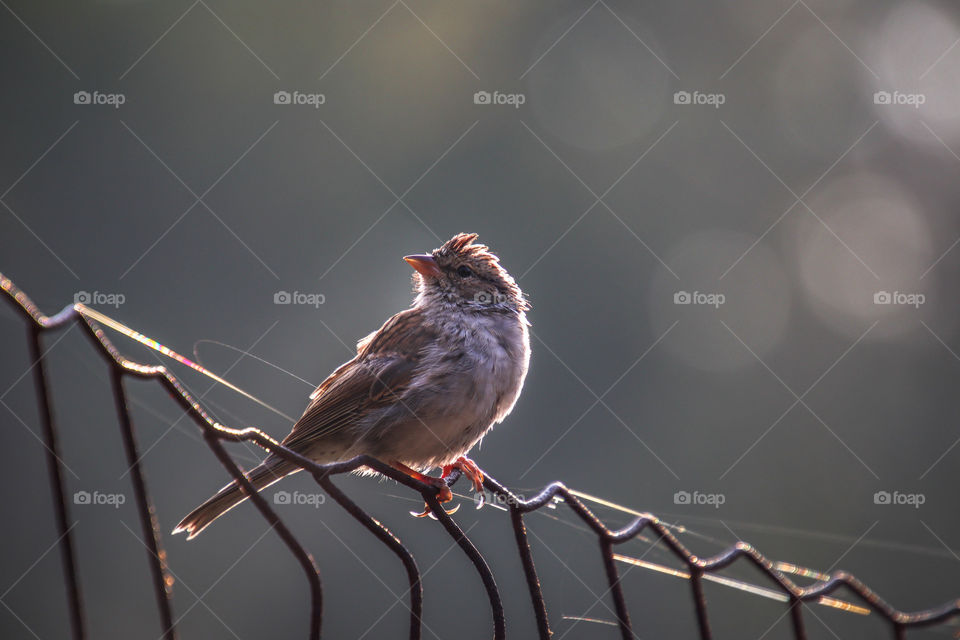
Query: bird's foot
point(444, 494)
point(469, 468)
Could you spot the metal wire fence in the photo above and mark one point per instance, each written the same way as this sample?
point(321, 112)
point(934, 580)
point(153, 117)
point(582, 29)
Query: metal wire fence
point(216, 434)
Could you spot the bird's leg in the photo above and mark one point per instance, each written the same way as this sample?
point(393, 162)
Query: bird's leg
point(443, 495)
point(469, 468)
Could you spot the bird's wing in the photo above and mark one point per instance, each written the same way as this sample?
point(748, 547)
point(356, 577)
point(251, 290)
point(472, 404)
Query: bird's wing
point(384, 366)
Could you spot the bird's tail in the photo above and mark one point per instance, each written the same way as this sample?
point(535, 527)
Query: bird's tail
point(261, 477)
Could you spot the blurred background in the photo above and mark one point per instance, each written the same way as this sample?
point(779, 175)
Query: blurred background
point(736, 223)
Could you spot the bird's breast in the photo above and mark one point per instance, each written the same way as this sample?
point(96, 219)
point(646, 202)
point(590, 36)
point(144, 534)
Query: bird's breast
point(467, 381)
point(483, 361)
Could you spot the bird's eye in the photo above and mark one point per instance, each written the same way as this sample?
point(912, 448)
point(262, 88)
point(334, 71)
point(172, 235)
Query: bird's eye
point(464, 271)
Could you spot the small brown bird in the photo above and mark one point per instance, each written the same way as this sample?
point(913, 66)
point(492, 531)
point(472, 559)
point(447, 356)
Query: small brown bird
point(422, 389)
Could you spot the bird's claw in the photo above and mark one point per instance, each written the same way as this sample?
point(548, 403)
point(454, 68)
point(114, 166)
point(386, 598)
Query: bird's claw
point(428, 512)
point(470, 469)
point(444, 495)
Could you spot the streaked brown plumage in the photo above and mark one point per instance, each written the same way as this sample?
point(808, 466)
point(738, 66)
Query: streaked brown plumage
point(422, 389)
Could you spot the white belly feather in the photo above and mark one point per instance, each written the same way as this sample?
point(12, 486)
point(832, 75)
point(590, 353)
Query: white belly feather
point(486, 362)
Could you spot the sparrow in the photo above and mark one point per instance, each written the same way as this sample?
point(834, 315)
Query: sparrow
point(423, 389)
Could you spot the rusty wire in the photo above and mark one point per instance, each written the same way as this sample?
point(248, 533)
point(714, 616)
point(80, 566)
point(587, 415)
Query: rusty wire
point(215, 434)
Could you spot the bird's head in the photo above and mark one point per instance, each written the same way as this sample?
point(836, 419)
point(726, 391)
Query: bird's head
point(467, 275)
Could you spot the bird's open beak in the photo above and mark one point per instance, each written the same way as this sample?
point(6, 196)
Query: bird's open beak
point(424, 264)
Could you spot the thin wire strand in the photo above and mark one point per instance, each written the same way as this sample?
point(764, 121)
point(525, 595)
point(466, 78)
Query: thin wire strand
point(106, 320)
